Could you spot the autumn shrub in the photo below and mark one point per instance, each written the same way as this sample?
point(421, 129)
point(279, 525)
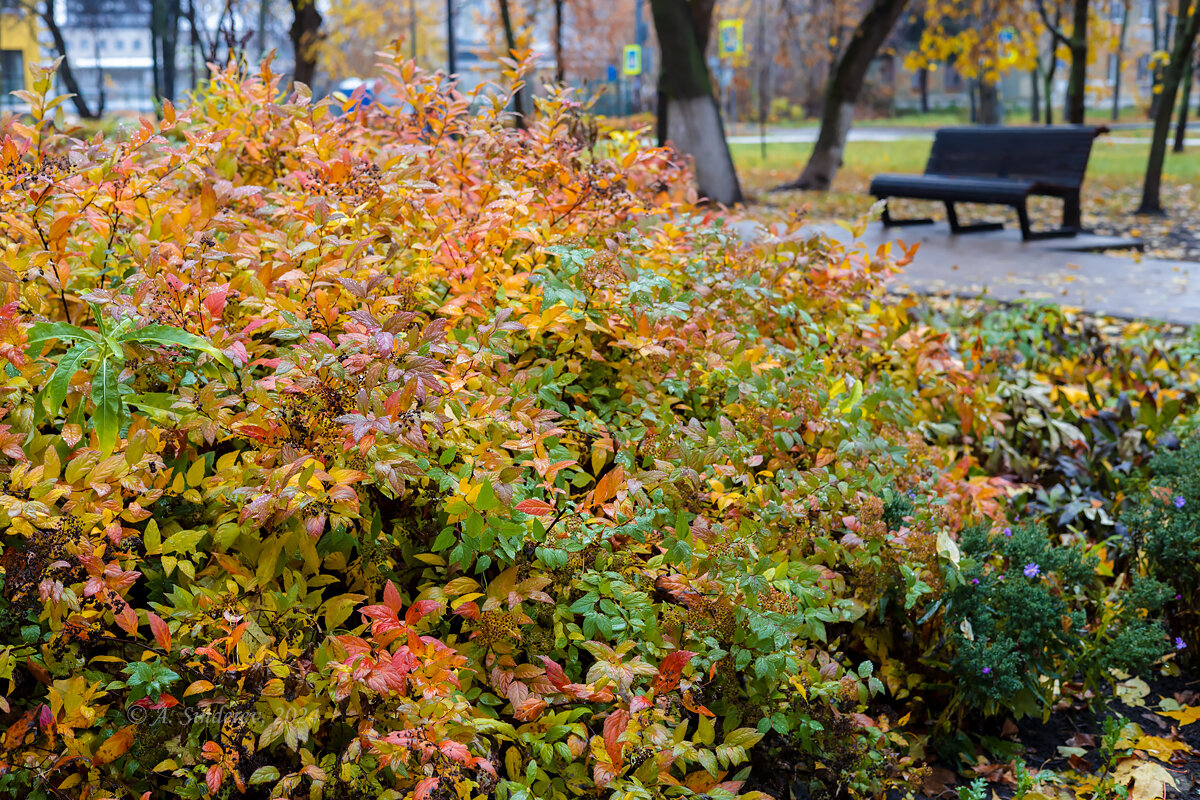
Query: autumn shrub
point(400, 453)
point(396, 452)
point(1078, 405)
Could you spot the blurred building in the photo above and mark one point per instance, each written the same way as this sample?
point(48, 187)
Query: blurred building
point(108, 42)
point(19, 51)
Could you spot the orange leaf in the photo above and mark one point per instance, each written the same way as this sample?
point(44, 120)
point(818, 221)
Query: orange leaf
point(114, 746)
point(162, 634)
point(538, 508)
point(615, 725)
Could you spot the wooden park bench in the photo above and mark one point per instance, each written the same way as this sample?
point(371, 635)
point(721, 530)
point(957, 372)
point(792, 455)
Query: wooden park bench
point(999, 166)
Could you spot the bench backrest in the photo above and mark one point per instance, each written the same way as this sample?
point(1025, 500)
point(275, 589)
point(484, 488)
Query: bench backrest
point(1052, 155)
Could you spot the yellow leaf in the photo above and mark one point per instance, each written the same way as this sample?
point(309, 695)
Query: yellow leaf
point(1186, 715)
point(1146, 779)
point(1159, 747)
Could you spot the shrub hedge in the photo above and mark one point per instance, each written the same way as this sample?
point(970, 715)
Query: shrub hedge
point(399, 453)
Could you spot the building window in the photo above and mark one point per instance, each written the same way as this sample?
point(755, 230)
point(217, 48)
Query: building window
point(1118, 11)
point(12, 73)
point(118, 45)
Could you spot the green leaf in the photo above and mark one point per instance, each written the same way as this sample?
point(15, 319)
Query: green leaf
point(106, 395)
point(264, 775)
point(55, 392)
point(43, 332)
point(168, 335)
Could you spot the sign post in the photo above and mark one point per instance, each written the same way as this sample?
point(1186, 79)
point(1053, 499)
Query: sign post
point(730, 44)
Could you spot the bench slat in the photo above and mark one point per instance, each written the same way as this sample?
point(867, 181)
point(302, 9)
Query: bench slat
point(942, 187)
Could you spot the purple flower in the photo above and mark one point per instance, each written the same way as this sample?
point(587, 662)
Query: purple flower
point(1179, 643)
point(1179, 501)
point(987, 670)
point(1032, 570)
point(974, 581)
point(1008, 531)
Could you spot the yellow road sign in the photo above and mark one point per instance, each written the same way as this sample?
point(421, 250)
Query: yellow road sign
point(730, 41)
point(631, 60)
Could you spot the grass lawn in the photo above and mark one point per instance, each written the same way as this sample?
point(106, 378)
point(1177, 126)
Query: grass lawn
point(1112, 164)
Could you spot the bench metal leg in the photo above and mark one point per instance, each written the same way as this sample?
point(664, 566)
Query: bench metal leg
point(957, 227)
point(1072, 214)
point(1070, 222)
point(889, 221)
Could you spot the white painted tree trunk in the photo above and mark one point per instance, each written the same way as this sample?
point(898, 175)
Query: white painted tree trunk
point(694, 127)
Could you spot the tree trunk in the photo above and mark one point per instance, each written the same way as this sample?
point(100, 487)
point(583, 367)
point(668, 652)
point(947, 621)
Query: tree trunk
point(1051, 72)
point(100, 98)
point(305, 30)
point(510, 40)
point(1035, 100)
point(164, 34)
point(923, 81)
point(1181, 59)
point(841, 94)
point(45, 11)
point(412, 28)
point(991, 110)
point(1184, 102)
point(688, 115)
point(451, 39)
point(1077, 85)
point(1116, 108)
point(559, 70)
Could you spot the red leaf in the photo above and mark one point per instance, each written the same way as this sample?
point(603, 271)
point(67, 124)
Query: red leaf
point(425, 788)
point(214, 777)
point(538, 508)
point(671, 669)
point(420, 609)
point(391, 597)
point(555, 673)
point(615, 725)
point(162, 634)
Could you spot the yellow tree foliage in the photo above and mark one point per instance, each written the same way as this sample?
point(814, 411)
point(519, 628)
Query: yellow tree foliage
point(981, 38)
point(357, 30)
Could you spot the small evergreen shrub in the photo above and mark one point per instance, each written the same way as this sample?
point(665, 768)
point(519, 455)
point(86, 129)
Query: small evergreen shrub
point(1030, 613)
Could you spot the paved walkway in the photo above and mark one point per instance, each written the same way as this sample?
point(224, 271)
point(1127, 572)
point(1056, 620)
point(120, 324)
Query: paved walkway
point(998, 264)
